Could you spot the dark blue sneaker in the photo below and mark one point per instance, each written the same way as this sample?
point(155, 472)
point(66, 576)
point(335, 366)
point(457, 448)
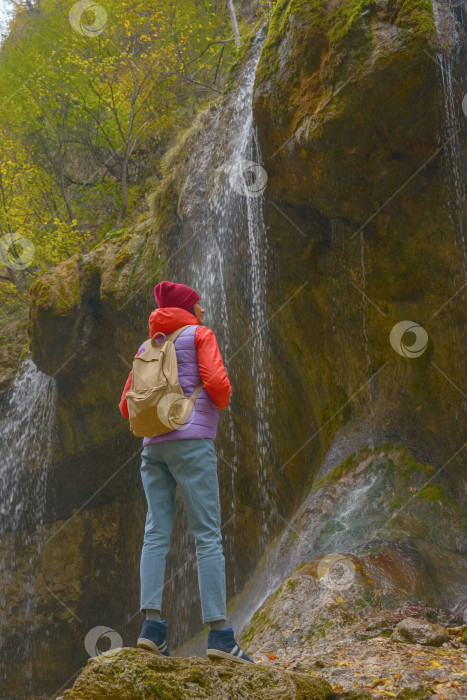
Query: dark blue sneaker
point(153, 636)
point(222, 645)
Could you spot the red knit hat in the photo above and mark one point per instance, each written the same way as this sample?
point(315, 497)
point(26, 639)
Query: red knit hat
point(173, 294)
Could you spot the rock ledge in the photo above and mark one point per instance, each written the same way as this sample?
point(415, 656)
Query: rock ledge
point(136, 674)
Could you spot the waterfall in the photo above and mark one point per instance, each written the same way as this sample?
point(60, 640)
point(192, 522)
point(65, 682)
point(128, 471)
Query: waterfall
point(231, 242)
point(27, 439)
point(26, 449)
point(237, 206)
point(447, 57)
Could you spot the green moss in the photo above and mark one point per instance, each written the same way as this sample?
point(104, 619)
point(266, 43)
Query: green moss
point(24, 351)
point(358, 695)
point(385, 447)
point(291, 585)
point(336, 26)
point(276, 593)
point(161, 691)
point(422, 693)
point(433, 492)
point(337, 472)
point(115, 234)
point(325, 625)
point(260, 619)
point(342, 20)
point(416, 15)
point(278, 26)
point(376, 548)
point(411, 464)
point(122, 258)
point(197, 676)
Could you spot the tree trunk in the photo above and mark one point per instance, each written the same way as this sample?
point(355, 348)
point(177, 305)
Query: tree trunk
point(233, 18)
point(15, 278)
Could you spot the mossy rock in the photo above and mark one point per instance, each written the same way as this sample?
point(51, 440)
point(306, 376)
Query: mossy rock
point(420, 693)
point(136, 674)
point(357, 695)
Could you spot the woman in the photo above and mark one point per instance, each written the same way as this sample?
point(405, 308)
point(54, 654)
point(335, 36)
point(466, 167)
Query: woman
point(185, 458)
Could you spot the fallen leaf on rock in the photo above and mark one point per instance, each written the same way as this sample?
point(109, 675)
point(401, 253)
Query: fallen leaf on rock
point(379, 681)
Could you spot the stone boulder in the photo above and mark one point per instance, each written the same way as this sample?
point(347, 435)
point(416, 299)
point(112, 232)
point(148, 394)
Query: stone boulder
point(135, 674)
point(414, 631)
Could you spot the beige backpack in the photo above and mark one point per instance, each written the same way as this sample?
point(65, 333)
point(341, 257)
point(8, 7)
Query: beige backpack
point(156, 402)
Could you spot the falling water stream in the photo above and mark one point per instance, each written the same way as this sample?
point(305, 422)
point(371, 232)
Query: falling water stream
point(453, 115)
point(232, 233)
point(27, 440)
point(454, 111)
point(26, 448)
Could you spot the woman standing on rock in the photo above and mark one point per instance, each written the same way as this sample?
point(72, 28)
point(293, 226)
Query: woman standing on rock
point(185, 458)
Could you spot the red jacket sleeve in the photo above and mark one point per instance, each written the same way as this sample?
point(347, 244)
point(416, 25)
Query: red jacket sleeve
point(211, 367)
point(123, 405)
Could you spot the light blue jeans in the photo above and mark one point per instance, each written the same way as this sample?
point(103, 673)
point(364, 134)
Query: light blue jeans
point(192, 466)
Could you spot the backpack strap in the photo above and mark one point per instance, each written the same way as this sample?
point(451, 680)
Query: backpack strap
point(194, 395)
point(176, 333)
point(172, 337)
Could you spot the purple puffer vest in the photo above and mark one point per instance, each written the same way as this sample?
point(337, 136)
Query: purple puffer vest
point(203, 420)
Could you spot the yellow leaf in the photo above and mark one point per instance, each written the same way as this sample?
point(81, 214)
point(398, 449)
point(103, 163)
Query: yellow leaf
point(339, 600)
point(436, 663)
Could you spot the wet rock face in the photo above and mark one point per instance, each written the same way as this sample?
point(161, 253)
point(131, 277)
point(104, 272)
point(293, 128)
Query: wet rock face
point(64, 581)
point(349, 105)
point(415, 631)
point(134, 674)
point(345, 83)
point(351, 636)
